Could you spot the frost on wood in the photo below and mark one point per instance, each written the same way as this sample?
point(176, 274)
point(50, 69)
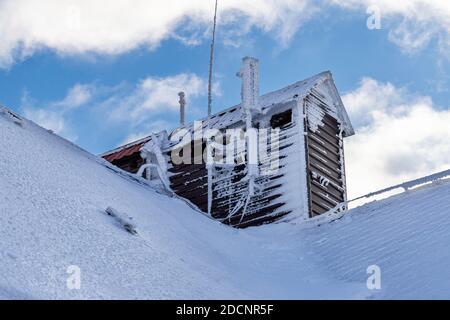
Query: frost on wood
point(255, 191)
point(153, 149)
point(249, 74)
point(122, 220)
point(250, 84)
point(315, 117)
point(324, 181)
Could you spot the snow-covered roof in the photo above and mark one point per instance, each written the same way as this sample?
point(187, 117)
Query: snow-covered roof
point(268, 102)
point(274, 99)
point(405, 235)
point(53, 201)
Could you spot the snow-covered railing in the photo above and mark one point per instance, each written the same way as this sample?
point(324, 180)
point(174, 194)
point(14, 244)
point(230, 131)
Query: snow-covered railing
point(337, 212)
point(409, 185)
point(342, 208)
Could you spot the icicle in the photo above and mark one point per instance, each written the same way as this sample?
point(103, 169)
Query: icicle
point(250, 103)
point(209, 167)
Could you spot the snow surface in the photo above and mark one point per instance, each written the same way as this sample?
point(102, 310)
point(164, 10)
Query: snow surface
point(53, 198)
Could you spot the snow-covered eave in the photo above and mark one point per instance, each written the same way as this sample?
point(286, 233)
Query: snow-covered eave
point(270, 103)
point(341, 111)
point(300, 90)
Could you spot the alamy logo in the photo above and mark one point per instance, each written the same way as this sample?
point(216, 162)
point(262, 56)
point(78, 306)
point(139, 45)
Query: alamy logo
point(227, 148)
point(374, 19)
point(73, 282)
point(374, 279)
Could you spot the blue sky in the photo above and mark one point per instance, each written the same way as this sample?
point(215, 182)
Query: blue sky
point(103, 93)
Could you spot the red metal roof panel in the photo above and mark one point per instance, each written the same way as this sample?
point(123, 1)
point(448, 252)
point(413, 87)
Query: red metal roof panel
point(124, 152)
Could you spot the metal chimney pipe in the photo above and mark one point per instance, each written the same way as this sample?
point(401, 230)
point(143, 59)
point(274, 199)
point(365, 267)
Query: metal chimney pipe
point(182, 107)
point(250, 83)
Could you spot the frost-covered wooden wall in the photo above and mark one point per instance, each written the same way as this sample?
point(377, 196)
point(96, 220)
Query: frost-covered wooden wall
point(229, 200)
point(325, 154)
point(310, 175)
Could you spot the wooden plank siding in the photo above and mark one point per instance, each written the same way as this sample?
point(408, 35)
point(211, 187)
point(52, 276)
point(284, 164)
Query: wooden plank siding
point(326, 178)
point(323, 146)
point(230, 186)
point(310, 175)
point(130, 163)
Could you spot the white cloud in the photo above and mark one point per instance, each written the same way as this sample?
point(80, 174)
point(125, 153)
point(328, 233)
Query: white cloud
point(71, 27)
point(48, 119)
point(146, 107)
point(412, 23)
point(53, 115)
point(155, 94)
point(77, 96)
point(400, 136)
point(114, 27)
point(51, 120)
point(163, 92)
point(153, 127)
point(135, 107)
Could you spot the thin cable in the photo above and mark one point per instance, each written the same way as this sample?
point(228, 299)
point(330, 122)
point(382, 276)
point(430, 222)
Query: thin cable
point(211, 61)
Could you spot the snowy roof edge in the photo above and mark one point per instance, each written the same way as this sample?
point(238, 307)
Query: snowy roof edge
point(342, 111)
point(295, 91)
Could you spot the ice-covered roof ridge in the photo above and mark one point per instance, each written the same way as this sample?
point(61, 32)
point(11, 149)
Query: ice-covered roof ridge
point(264, 99)
point(291, 92)
point(303, 85)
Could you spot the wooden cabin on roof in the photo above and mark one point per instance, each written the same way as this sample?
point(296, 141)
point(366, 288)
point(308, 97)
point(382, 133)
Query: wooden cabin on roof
point(288, 161)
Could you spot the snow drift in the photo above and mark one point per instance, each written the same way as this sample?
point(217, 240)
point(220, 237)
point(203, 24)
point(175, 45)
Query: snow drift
point(61, 207)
